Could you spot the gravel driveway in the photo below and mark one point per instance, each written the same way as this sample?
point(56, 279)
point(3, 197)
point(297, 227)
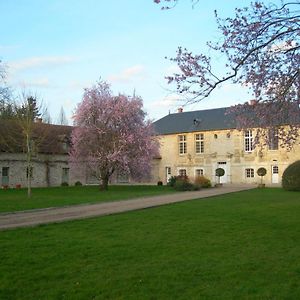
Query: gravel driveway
point(61, 214)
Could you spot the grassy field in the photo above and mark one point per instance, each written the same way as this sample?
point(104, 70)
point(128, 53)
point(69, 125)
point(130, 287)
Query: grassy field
point(14, 200)
point(238, 246)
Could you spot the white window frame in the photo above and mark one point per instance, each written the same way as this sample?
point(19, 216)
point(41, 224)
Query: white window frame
point(199, 143)
point(182, 147)
point(249, 173)
point(248, 141)
point(182, 170)
point(201, 171)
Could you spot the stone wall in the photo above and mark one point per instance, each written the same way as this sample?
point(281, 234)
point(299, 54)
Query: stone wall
point(222, 148)
point(47, 170)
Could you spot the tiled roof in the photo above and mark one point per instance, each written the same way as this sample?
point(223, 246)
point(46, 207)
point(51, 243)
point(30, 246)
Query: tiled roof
point(200, 120)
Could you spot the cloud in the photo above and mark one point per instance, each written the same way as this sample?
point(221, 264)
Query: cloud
point(79, 85)
point(167, 102)
point(8, 47)
point(283, 46)
point(37, 83)
point(172, 69)
point(39, 62)
point(133, 73)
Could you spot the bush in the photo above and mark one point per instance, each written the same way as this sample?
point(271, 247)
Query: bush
point(220, 172)
point(159, 183)
point(78, 183)
point(202, 181)
point(261, 172)
point(64, 184)
point(183, 185)
point(171, 181)
point(291, 177)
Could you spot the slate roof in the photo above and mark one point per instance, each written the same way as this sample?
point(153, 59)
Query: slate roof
point(49, 137)
point(200, 120)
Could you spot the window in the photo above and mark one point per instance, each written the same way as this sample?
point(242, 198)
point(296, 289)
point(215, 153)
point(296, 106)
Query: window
point(199, 143)
point(65, 175)
point(248, 141)
point(5, 176)
point(275, 170)
point(168, 170)
point(5, 171)
point(199, 172)
point(182, 172)
point(249, 172)
point(273, 139)
point(182, 144)
point(29, 171)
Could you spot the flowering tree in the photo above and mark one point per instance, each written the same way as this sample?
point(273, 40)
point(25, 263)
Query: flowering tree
point(112, 135)
point(261, 46)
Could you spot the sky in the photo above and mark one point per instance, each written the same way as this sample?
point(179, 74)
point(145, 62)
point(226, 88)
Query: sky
point(56, 48)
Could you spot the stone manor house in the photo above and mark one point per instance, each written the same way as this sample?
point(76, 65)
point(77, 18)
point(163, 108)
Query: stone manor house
point(191, 143)
point(198, 142)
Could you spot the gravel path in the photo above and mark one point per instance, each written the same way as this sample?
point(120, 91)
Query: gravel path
point(61, 214)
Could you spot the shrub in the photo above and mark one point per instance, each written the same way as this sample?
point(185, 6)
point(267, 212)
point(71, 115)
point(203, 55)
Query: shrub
point(291, 177)
point(219, 173)
point(64, 184)
point(202, 181)
point(172, 180)
point(159, 183)
point(261, 172)
point(183, 185)
point(78, 183)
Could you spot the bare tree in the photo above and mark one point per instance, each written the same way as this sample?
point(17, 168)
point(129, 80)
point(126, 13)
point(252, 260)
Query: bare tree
point(62, 119)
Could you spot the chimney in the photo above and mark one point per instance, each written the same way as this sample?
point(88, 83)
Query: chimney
point(180, 110)
point(253, 102)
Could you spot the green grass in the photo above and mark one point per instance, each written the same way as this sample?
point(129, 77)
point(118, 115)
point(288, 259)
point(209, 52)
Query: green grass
point(238, 246)
point(15, 200)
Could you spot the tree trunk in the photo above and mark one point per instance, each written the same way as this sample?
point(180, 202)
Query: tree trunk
point(104, 183)
point(47, 173)
point(29, 167)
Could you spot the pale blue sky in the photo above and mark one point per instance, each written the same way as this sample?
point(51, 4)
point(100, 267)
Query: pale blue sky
point(56, 48)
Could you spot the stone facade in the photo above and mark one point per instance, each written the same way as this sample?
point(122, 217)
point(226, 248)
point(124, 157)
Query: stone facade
point(220, 148)
point(47, 170)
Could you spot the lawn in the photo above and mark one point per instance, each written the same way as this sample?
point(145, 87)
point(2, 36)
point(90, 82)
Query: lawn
point(238, 246)
point(14, 200)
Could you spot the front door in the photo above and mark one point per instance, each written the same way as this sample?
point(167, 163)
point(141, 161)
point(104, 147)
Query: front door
point(223, 165)
point(5, 176)
point(275, 177)
point(168, 174)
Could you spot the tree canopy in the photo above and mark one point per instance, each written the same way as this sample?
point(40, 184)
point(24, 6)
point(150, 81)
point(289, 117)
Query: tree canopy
point(112, 135)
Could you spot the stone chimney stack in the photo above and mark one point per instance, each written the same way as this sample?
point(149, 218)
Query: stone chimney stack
point(180, 110)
